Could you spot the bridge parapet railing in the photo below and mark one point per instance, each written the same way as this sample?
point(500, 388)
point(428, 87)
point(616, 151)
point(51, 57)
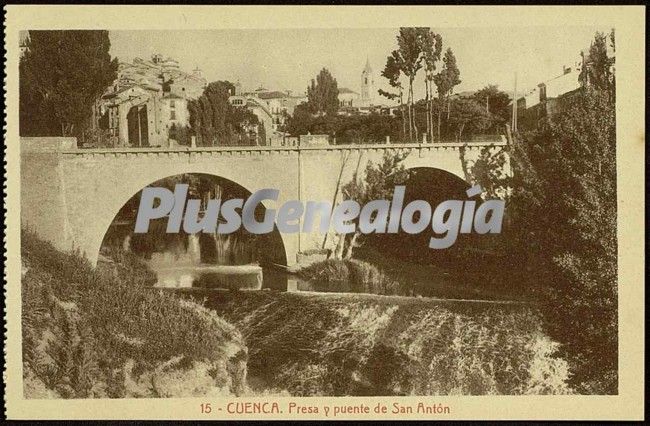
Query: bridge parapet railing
point(266, 149)
point(69, 146)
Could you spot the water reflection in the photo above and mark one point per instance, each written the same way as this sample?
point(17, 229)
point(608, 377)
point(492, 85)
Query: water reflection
point(205, 260)
point(239, 260)
point(239, 277)
point(244, 277)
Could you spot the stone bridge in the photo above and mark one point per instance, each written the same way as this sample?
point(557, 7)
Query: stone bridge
point(70, 196)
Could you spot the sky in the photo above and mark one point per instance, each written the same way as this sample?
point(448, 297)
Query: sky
point(287, 59)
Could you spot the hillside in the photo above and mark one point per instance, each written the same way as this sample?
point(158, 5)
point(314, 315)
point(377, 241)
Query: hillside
point(105, 333)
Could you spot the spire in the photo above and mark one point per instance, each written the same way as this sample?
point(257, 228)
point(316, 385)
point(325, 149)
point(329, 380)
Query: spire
point(367, 68)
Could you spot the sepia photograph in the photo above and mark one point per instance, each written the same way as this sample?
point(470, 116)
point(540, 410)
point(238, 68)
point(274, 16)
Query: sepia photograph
point(323, 115)
point(240, 214)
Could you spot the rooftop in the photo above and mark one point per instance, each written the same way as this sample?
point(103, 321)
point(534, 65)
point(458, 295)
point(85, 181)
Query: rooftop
point(171, 96)
point(272, 95)
point(343, 90)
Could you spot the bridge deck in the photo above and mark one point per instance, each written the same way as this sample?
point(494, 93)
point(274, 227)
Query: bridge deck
point(352, 147)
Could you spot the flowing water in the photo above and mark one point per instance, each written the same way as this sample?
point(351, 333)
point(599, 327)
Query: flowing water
point(231, 261)
point(246, 262)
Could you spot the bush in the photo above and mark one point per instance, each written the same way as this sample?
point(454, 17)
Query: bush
point(563, 210)
point(362, 277)
point(94, 332)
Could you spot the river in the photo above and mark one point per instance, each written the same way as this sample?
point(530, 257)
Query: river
point(244, 262)
point(213, 261)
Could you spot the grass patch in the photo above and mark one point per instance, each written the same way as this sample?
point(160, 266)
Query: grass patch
point(104, 332)
point(360, 276)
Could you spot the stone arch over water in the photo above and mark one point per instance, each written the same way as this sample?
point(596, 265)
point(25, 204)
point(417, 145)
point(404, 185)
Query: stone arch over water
point(231, 249)
point(433, 185)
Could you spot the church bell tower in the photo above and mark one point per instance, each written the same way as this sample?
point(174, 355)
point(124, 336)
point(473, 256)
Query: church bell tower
point(367, 85)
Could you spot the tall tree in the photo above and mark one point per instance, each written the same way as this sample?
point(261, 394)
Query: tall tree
point(410, 51)
point(61, 75)
point(596, 70)
point(215, 122)
point(431, 49)
point(323, 94)
point(408, 58)
point(391, 72)
point(445, 81)
point(496, 102)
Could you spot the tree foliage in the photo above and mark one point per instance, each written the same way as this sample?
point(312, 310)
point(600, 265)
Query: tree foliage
point(496, 102)
point(407, 59)
point(215, 121)
point(431, 49)
point(449, 76)
point(445, 81)
point(392, 73)
point(596, 71)
point(322, 94)
point(461, 119)
point(377, 183)
point(347, 129)
point(468, 116)
point(561, 227)
point(564, 211)
point(61, 75)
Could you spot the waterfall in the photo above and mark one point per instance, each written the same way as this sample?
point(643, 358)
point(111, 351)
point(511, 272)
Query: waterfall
point(193, 248)
point(222, 245)
point(126, 244)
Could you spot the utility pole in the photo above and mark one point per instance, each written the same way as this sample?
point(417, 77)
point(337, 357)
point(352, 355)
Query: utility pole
point(514, 107)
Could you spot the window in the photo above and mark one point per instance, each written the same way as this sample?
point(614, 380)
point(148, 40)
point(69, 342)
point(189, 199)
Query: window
point(172, 104)
point(172, 115)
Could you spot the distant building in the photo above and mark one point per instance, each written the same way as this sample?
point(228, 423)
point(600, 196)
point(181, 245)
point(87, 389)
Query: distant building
point(147, 99)
point(368, 93)
point(348, 98)
point(314, 140)
point(542, 100)
point(272, 108)
point(302, 140)
point(365, 101)
point(24, 41)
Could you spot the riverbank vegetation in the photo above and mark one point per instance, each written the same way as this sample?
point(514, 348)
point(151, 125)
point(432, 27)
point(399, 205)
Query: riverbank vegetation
point(564, 200)
point(562, 207)
point(350, 275)
point(104, 332)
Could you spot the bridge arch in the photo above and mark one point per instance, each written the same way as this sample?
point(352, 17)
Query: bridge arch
point(235, 189)
point(449, 163)
point(433, 185)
